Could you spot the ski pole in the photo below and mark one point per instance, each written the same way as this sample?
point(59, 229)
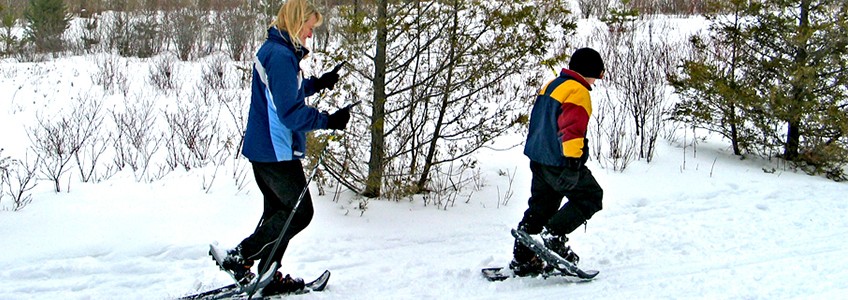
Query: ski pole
point(288, 220)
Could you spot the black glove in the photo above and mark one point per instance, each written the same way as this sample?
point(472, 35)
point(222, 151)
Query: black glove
point(339, 119)
point(326, 81)
point(570, 175)
point(329, 79)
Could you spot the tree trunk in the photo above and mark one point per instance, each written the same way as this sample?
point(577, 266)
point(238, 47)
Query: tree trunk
point(793, 137)
point(734, 132)
point(793, 133)
point(446, 97)
point(378, 109)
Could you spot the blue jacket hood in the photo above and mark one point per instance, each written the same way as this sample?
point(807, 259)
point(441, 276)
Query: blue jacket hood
point(279, 37)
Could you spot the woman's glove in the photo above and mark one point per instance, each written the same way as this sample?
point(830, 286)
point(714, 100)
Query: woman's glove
point(339, 119)
point(329, 79)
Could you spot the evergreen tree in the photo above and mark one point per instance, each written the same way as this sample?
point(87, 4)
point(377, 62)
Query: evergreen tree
point(711, 83)
point(797, 60)
point(47, 21)
point(620, 19)
point(446, 78)
point(779, 85)
point(7, 22)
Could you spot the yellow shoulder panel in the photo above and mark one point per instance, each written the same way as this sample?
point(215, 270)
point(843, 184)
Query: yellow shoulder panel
point(572, 91)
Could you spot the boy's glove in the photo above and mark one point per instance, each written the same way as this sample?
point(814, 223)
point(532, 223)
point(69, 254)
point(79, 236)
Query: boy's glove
point(569, 176)
point(585, 157)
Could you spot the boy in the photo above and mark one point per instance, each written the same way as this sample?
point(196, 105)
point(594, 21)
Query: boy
point(558, 150)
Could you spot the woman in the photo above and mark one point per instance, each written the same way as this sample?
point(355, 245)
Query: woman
point(275, 140)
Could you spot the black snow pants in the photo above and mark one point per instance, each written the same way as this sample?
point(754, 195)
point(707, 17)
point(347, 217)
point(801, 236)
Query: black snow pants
point(544, 210)
point(281, 184)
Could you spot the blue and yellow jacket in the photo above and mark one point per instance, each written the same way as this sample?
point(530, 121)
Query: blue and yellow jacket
point(559, 120)
point(279, 117)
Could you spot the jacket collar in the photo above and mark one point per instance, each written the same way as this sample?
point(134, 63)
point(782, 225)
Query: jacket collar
point(576, 76)
point(278, 36)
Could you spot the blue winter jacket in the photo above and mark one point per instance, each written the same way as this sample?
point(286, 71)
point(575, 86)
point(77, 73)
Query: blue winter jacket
point(279, 117)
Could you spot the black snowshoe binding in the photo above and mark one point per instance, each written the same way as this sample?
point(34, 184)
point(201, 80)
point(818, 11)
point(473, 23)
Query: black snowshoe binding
point(284, 285)
point(238, 265)
point(557, 244)
point(525, 262)
point(533, 267)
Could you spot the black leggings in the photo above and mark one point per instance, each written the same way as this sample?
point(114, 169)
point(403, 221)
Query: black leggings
point(281, 184)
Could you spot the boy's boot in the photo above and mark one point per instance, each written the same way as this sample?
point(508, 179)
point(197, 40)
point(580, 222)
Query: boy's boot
point(525, 262)
point(557, 244)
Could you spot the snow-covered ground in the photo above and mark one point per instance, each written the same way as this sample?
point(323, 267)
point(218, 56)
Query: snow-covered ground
point(705, 226)
point(723, 230)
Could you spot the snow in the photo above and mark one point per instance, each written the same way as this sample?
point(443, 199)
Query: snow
point(685, 226)
point(724, 230)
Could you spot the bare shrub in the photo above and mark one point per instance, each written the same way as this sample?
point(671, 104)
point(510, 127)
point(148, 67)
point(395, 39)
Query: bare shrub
point(238, 30)
point(612, 140)
point(162, 73)
point(136, 139)
point(214, 73)
point(17, 178)
point(58, 139)
point(51, 139)
point(193, 132)
point(640, 67)
point(111, 74)
point(245, 74)
point(185, 27)
point(213, 81)
point(5, 164)
point(241, 173)
point(449, 183)
point(509, 192)
point(236, 105)
point(90, 152)
point(593, 8)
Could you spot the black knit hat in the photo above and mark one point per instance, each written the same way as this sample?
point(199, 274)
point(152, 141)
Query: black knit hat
point(587, 62)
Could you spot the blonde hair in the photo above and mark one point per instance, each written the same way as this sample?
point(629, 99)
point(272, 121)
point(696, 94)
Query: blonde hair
point(293, 14)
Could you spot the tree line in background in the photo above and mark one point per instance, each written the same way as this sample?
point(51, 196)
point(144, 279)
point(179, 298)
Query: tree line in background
point(144, 28)
point(445, 78)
